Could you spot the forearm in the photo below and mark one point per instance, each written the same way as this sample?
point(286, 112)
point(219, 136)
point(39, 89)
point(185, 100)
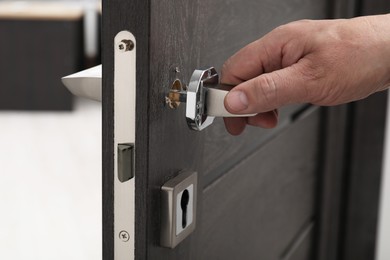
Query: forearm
point(386, 19)
point(383, 29)
point(369, 36)
point(381, 26)
point(323, 62)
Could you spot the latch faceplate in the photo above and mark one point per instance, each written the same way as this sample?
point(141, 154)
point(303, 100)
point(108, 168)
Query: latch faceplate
point(88, 84)
point(124, 145)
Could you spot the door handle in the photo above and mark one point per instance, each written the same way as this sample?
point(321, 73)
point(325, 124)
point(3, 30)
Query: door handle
point(204, 96)
point(86, 83)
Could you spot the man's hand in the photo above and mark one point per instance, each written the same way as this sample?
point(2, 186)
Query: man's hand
point(326, 62)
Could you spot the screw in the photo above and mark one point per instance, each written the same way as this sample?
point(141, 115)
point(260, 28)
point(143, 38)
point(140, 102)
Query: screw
point(124, 236)
point(126, 45)
point(199, 119)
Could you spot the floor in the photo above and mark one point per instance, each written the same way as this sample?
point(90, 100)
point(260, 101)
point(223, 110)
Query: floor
point(50, 184)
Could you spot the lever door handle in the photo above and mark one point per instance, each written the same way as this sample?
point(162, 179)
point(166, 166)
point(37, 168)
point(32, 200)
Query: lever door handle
point(204, 96)
point(86, 83)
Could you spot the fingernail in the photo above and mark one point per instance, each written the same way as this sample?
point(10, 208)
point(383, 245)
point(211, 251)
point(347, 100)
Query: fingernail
point(237, 100)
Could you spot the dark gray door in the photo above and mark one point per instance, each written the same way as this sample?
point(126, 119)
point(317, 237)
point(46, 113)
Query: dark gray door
point(268, 194)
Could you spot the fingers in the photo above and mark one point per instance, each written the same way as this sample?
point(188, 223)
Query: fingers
point(268, 75)
point(264, 120)
point(263, 55)
point(268, 91)
point(278, 49)
point(236, 125)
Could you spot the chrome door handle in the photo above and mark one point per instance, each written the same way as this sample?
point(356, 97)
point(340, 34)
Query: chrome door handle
point(86, 83)
point(204, 96)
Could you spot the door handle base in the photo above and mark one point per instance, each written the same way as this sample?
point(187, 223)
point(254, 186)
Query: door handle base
point(204, 98)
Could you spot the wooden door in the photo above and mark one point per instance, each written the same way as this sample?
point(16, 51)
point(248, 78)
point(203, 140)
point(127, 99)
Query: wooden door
point(268, 194)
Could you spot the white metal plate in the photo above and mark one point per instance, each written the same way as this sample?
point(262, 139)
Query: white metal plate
point(124, 132)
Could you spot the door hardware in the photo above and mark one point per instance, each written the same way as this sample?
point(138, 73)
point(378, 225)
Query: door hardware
point(88, 84)
point(178, 208)
point(204, 97)
point(124, 144)
point(125, 162)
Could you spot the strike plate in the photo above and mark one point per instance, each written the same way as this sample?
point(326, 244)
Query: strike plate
point(124, 144)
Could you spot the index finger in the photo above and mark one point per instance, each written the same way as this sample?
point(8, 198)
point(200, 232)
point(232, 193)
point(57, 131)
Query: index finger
point(278, 49)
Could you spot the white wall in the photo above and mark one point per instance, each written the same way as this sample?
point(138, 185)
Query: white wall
point(50, 184)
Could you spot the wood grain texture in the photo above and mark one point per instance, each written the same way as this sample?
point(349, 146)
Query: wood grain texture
point(348, 227)
point(344, 8)
point(361, 215)
point(364, 178)
point(231, 24)
point(332, 182)
point(257, 209)
point(198, 40)
point(189, 35)
point(34, 57)
point(239, 23)
point(220, 148)
point(302, 247)
point(371, 7)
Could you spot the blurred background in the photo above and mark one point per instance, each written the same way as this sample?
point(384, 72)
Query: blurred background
point(50, 142)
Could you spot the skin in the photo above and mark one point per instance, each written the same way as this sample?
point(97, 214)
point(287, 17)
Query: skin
point(325, 62)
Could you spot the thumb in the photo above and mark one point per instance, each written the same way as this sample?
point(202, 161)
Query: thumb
point(267, 92)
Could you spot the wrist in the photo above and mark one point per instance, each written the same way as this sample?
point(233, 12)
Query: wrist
point(386, 46)
point(380, 25)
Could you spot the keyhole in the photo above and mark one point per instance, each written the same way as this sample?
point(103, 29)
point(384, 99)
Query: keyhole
point(185, 197)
